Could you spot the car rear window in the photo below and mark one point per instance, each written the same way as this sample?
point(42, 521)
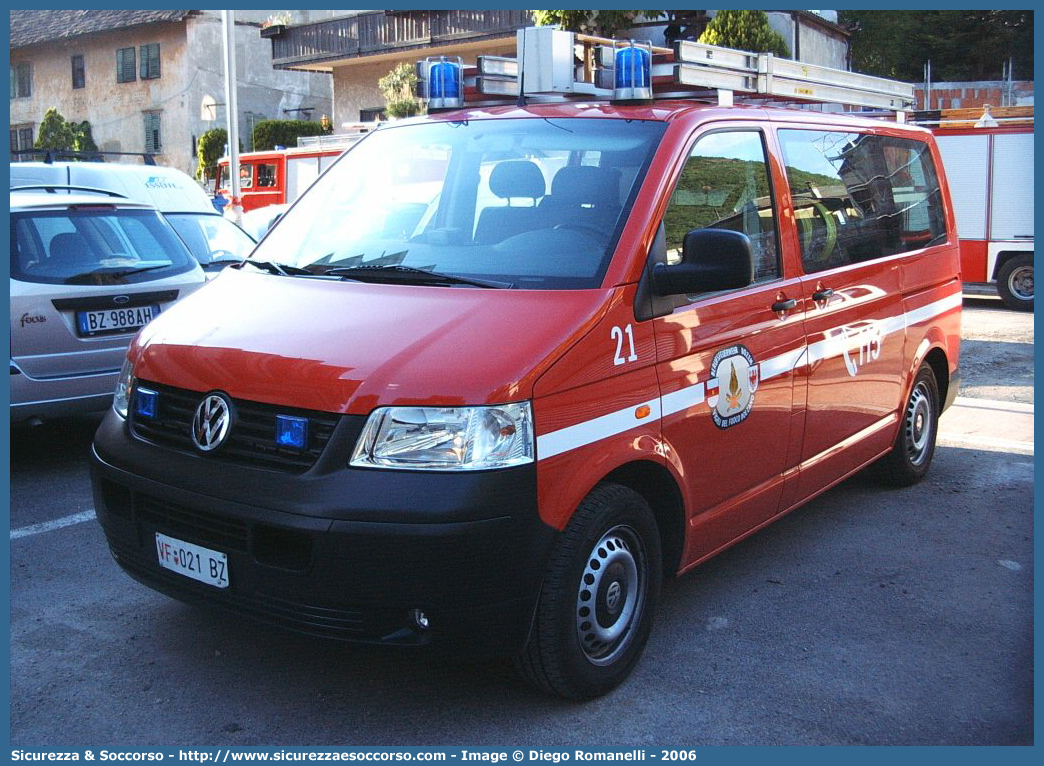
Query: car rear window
point(96, 246)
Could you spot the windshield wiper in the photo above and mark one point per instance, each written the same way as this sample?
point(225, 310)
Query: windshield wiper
point(219, 263)
point(410, 276)
point(282, 269)
point(109, 277)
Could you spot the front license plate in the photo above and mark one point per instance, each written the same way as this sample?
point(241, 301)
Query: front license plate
point(114, 320)
point(193, 561)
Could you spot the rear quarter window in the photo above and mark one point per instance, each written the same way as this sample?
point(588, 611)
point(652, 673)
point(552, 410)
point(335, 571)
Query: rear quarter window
point(859, 197)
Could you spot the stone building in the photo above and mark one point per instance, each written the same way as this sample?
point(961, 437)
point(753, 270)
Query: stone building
point(151, 80)
point(360, 47)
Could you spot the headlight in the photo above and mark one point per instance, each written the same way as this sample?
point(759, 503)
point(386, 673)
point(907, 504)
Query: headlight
point(447, 438)
point(121, 399)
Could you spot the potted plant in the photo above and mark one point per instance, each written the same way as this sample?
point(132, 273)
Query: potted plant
point(275, 24)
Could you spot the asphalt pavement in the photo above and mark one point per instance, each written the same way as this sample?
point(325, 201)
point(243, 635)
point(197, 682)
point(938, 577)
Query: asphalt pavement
point(870, 616)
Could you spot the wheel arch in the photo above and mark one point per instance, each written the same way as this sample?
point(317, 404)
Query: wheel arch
point(657, 485)
point(1005, 255)
point(936, 359)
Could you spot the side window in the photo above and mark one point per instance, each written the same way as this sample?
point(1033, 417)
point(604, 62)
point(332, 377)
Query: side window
point(859, 197)
point(79, 73)
point(246, 176)
point(725, 185)
point(266, 175)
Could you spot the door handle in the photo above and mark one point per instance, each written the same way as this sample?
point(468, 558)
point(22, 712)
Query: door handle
point(780, 306)
point(823, 295)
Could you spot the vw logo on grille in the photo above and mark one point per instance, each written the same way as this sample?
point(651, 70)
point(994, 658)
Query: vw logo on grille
point(211, 422)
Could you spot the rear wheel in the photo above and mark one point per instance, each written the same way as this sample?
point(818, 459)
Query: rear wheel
point(1015, 282)
point(598, 597)
point(914, 447)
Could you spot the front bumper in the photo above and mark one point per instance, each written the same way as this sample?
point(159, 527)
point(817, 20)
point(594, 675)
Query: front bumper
point(337, 552)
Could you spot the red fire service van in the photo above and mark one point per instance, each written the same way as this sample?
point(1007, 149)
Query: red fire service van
point(596, 339)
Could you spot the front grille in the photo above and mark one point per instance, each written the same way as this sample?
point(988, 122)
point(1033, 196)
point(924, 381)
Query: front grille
point(328, 621)
point(220, 532)
point(251, 440)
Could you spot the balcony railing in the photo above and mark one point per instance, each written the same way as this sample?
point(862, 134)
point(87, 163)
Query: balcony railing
point(368, 34)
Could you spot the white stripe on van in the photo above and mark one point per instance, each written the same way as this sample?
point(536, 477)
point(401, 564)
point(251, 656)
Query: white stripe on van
point(623, 420)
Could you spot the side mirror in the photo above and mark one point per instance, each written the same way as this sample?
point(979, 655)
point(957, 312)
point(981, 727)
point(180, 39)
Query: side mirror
point(712, 259)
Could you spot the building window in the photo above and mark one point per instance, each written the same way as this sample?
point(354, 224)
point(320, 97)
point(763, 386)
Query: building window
point(125, 65)
point(150, 61)
point(21, 80)
point(152, 132)
point(373, 114)
point(21, 139)
point(79, 75)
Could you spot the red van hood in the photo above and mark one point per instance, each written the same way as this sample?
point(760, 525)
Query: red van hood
point(350, 347)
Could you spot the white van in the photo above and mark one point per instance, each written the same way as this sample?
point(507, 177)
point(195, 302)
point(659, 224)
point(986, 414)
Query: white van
point(212, 239)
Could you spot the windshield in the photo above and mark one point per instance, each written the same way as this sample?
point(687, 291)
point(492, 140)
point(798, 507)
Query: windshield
point(96, 246)
point(530, 203)
point(211, 238)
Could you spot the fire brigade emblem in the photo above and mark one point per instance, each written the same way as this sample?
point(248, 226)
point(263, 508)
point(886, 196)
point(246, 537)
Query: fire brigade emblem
point(735, 377)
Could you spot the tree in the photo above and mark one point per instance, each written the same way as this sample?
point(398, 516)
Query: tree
point(268, 134)
point(602, 23)
point(962, 45)
point(83, 140)
point(398, 88)
point(746, 31)
point(210, 148)
point(55, 132)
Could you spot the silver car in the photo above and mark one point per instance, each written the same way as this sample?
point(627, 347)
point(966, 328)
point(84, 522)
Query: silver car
point(88, 270)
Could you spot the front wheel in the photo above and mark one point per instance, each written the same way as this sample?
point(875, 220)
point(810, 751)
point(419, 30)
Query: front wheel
point(598, 597)
point(911, 456)
point(1015, 282)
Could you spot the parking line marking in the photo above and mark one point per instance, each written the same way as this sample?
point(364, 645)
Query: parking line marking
point(970, 441)
point(993, 404)
point(47, 526)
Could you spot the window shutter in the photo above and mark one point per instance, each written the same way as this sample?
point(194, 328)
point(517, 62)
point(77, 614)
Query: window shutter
point(152, 133)
point(125, 65)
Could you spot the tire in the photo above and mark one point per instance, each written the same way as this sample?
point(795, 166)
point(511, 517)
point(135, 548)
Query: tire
point(1015, 282)
point(579, 651)
point(911, 457)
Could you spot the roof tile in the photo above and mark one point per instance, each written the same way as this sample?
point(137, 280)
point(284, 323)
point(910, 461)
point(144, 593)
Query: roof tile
point(31, 27)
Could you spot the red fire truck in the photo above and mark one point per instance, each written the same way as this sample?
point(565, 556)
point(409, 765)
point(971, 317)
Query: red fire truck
point(990, 170)
point(280, 176)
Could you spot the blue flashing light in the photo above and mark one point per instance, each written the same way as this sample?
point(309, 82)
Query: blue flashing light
point(442, 81)
point(146, 402)
point(445, 80)
point(633, 79)
point(291, 431)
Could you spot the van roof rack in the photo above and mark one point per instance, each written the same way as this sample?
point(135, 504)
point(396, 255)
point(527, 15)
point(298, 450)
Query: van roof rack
point(51, 155)
point(54, 188)
point(555, 65)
